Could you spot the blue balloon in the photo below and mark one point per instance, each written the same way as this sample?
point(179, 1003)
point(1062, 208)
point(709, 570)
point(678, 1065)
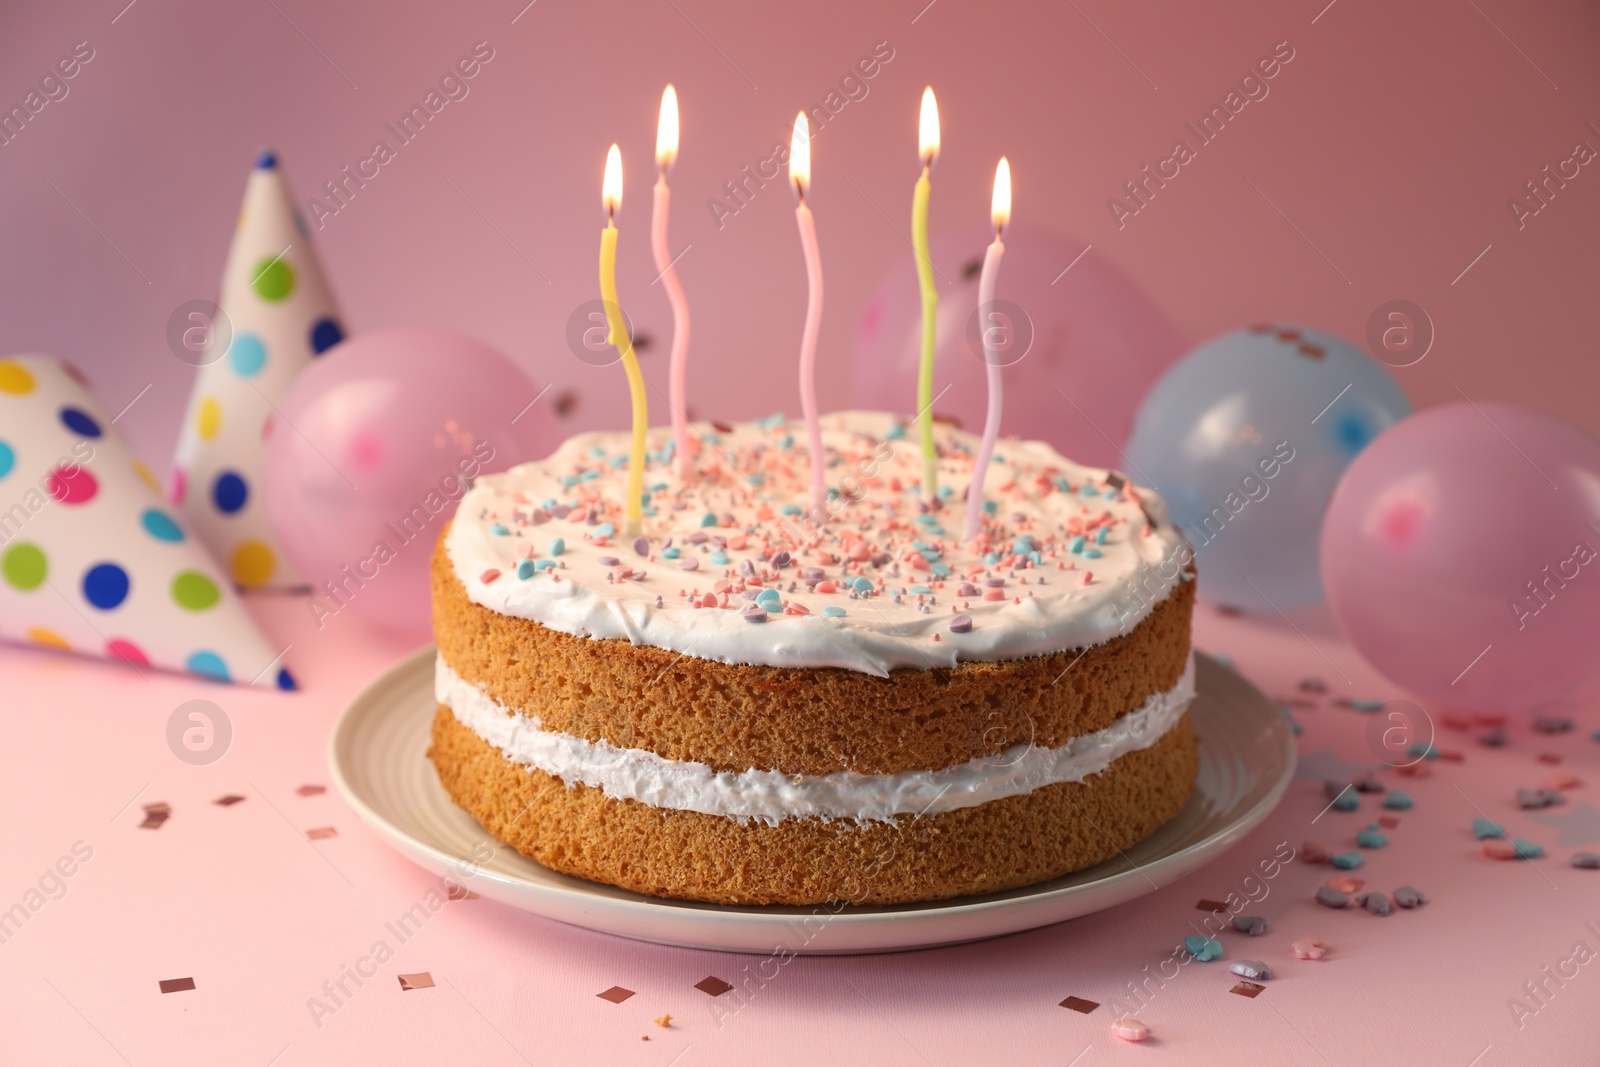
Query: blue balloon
point(1246, 437)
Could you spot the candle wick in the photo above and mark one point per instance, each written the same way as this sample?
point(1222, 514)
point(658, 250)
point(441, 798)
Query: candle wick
point(800, 190)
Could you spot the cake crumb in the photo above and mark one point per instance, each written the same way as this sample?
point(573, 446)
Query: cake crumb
point(663, 1022)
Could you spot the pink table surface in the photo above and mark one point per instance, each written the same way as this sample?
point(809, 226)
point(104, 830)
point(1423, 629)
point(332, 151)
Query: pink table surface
point(239, 899)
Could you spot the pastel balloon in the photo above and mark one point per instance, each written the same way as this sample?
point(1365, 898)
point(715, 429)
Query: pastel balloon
point(1246, 437)
point(1098, 342)
point(1460, 556)
point(372, 453)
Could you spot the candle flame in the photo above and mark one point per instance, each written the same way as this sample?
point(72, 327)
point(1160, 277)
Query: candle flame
point(928, 128)
point(1001, 209)
point(611, 187)
point(800, 155)
point(667, 129)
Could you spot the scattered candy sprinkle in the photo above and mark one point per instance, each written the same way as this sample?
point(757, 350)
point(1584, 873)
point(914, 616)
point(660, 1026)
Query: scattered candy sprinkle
point(1204, 949)
point(1483, 829)
point(1376, 903)
point(1587, 860)
point(1253, 969)
point(1309, 948)
point(1398, 800)
point(1347, 861)
point(1330, 897)
point(1254, 925)
point(1407, 897)
point(1371, 837)
point(1130, 1029)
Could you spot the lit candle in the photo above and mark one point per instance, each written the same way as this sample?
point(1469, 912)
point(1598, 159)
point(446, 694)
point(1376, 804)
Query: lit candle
point(611, 194)
point(928, 150)
point(992, 333)
point(666, 155)
point(800, 174)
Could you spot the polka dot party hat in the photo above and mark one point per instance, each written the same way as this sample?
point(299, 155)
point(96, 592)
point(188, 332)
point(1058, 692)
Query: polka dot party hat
point(92, 559)
point(281, 316)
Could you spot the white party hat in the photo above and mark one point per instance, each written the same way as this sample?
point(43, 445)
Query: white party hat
point(92, 560)
point(279, 314)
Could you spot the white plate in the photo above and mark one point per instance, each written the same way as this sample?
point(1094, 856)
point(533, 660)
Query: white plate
point(377, 756)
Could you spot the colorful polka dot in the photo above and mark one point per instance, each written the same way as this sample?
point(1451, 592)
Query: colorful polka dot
point(127, 651)
point(286, 680)
point(160, 525)
point(325, 334)
point(48, 638)
point(72, 485)
point(105, 585)
point(177, 485)
point(273, 279)
point(24, 566)
point(194, 591)
point(209, 664)
point(79, 422)
point(247, 355)
point(15, 378)
point(253, 564)
point(145, 476)
point(208, 419)
point(8, 459)
point(229, 492)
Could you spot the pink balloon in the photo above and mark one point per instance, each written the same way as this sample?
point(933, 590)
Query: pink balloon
point(1459, 554)
point(1096, 335)
point(378, 443)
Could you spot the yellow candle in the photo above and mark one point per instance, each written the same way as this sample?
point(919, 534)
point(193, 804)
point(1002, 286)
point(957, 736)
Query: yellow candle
point(928, 149)
point(611, 193)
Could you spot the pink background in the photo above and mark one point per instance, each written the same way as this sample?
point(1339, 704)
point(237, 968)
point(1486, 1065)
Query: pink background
point(1392, 141)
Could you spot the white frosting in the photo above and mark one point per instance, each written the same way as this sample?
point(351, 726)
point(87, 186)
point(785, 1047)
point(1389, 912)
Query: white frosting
point(748, 473)
point(771, 796)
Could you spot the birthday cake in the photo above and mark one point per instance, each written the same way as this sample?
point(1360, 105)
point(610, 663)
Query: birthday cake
point(750, 700)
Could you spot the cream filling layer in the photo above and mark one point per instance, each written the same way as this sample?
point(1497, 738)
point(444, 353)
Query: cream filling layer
point(771, 796)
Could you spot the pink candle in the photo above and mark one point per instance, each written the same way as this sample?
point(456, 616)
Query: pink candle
point(800, 173)
point(666, 155)
point(992, 332)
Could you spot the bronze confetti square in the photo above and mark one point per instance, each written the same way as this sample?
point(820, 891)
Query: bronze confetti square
point(154, 819)
point(461, 892)
point(420, 980)
point(319, 832)
point(311, 790)
point(1078, 1004)
point(159, 807)
point(176, 985)
point(1452, 757)
point(228, 801)
point(616, 994)
point(1388, 822)
point(1210, 905)
point(712, 986)
point(1248, 989)
point(1550, 758)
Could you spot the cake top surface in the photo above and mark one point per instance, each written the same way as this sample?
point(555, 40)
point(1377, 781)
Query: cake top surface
point(730, 566)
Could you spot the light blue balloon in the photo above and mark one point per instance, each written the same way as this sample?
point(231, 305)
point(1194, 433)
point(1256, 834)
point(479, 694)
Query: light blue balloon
point(1246, 437)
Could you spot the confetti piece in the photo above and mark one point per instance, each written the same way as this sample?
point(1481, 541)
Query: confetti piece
point(1419, 769)
point(1388, 822)
point(1210, 905)
point(1407, 897)
point(1495, 738)
point(228, 801)
point(1563, 780)
point(1312, 852)
point(616, 994)
point(1347, 861)
point(1204, 949)
point(1587, 860)
point(1309, 948)
point(1398, 800)
point(420, 980)
point(153, 820)
point(1130, 1029)
point(1251, 969)
point(712, 986)
point(1371, 837)
point(1346, 884)
point(1376, 903)
point(1484, 828)
point(1247, 989)
point(663, 1022)
point(1078, 1004)
point(1530, 799)
point(311, 790)
point(1549, 757)
point(1330, 897)
point(1499, 849)
point(319, 832)
point(1451, 756)
point(1552, 724)
point(176, 985)
point(1254, 925)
